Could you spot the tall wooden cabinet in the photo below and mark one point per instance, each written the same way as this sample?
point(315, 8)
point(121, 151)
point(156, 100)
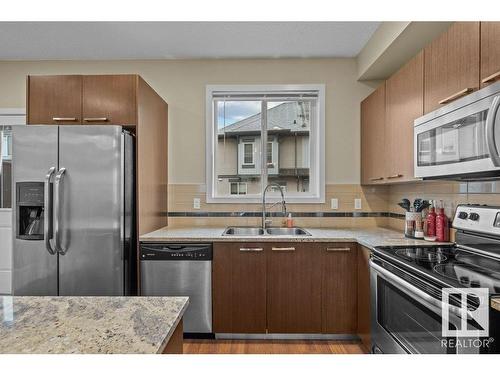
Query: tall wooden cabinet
point(125, 100)
point(490, 53)
point(404, 103)
point(373, 137)
point(452, 65)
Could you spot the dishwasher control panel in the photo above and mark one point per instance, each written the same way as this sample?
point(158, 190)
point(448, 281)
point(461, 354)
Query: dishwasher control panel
point(162, 251)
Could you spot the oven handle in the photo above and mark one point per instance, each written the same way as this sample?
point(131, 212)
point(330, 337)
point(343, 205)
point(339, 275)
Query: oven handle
point(490, 132)
point(436, 304)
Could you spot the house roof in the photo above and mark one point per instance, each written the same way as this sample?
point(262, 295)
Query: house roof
point(288, 116)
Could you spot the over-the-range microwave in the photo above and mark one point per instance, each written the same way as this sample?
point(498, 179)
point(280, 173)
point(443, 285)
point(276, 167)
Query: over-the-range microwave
point(460, 140)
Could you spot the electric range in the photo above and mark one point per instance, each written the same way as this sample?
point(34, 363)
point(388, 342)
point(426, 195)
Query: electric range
point(415, 288)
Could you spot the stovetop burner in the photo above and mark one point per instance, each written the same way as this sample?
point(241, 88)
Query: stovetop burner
point(422, 254)
point(451, 265)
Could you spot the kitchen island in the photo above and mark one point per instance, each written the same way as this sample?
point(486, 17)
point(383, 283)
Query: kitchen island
point(91, 325)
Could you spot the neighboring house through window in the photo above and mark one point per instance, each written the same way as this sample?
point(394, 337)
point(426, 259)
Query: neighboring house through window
point(258, 135)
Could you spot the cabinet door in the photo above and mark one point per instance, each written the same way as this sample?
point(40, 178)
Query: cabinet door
point(239, 288)
point(490, 52)
point(339, 288)
point(451, 65)
point(364, 295)
point(54, 99)
point(109, 99)
point(373, 137)
point(293, 288)
point(404, 103)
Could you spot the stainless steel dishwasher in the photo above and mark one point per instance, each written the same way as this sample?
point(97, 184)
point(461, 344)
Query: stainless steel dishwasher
point(180, 270)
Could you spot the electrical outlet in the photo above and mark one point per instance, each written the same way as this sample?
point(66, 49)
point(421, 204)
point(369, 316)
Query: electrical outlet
point(357, 204)
point(196, 203)
point(334, 204)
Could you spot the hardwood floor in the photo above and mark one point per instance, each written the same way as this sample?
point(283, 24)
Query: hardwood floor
point(273, 347)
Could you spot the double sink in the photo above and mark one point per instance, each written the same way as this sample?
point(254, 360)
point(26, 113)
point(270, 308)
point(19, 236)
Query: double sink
point(258, 231)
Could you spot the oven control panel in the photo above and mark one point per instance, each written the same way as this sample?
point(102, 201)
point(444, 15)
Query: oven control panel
point(477, 218)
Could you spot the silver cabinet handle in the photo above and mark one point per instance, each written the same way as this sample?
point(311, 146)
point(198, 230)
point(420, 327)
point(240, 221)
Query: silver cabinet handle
point(490, 131)
point(57, 210)
point(491, 78)
point(251, 249)
point(63, 118)
point(283, 248)
point(95, 119)
point(395, 176)
point(376, 179)
point(456, 95)
point(47, 217)
point(338, 249)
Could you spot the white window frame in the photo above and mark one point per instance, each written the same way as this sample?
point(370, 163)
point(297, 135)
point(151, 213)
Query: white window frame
point(316, 153)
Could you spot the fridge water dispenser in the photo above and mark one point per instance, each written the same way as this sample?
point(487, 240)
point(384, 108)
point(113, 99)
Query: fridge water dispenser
point(30, 210)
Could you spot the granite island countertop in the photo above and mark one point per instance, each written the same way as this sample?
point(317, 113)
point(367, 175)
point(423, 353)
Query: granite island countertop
point(88, 324)
point(369, 237)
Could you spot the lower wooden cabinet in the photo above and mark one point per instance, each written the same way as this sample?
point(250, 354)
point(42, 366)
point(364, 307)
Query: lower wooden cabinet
point(239, 288)
point(339, 288)
point(293, 288)
point(364, 295)
point(298, 287)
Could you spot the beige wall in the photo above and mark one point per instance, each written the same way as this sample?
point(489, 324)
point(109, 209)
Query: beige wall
point(182, 85)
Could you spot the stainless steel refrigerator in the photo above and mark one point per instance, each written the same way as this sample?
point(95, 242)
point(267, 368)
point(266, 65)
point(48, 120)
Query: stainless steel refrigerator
point(73, 210)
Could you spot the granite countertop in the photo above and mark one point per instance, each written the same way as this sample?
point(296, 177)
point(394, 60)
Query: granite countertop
point(369, 237)
point(88, 324)
point(495, 303)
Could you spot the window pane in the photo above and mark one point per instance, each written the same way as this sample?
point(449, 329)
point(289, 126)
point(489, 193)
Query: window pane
point(6, 167)
point(238, 146)
point(288, 134)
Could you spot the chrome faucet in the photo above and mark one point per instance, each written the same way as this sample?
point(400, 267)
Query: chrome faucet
point(283, 203)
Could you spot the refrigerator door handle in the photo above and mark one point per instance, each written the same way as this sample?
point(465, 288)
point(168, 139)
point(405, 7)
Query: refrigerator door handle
point(57, 210)
point(490, 132)
point(47, 202)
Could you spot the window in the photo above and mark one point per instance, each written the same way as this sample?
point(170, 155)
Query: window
point(248, 153)
point(262, 134)
point(238, 188)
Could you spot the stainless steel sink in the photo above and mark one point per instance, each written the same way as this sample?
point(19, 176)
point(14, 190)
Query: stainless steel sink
point(287, 232)
point(257, 231)
point(243, 231)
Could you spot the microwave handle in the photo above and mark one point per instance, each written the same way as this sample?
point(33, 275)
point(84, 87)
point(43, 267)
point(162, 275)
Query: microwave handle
point(490, 131)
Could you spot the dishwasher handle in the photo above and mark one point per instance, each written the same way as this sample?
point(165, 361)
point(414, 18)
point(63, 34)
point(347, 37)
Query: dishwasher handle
point(176, 251)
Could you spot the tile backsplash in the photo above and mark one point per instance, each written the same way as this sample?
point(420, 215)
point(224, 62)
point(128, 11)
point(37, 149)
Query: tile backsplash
point(378, 204)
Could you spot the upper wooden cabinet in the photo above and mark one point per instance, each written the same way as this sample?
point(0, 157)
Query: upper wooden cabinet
point(490, 52)
point(109, 99)
point(404, 103)
point(452, 65)
point(54, 99)
point(373, 142)
point(82, 99)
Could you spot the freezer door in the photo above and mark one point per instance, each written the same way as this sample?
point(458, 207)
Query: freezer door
point(89, 220)
point(34, 150)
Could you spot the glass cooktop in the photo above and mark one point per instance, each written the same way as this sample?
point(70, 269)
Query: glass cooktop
point(448, 264)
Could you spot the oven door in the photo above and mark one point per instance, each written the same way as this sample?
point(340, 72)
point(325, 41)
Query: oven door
point(461, 143)
point(405, 319)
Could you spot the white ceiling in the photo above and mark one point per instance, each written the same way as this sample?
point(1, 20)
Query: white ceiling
point(181, 40)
